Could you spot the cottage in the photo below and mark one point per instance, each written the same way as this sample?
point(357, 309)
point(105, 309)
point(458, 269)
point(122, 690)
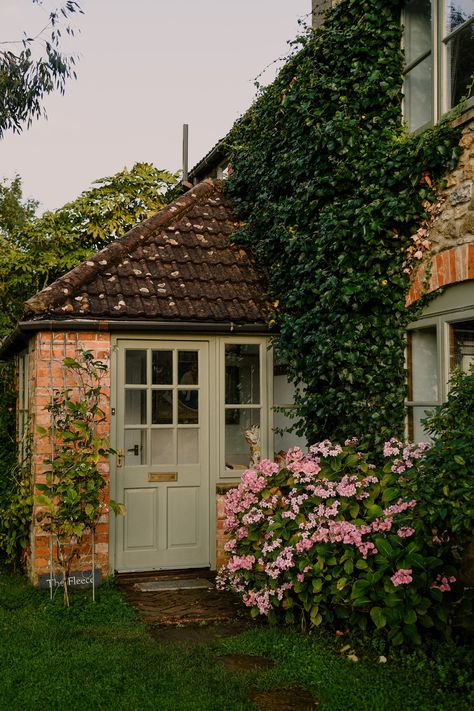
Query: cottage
point(180, 314)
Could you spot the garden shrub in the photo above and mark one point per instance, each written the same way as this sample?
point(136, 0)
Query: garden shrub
point(328, 538)
point(446, 479)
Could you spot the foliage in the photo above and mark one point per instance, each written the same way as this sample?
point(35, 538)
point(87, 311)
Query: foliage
point(445, 480)
point(38, 250)
point(16, 515)
point(329, 539)
point(15, 477)
point(331, 187)
point(15, 212)
point(72, 497)
point(25, 79)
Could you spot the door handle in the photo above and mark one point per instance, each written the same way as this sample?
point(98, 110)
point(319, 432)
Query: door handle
point(120, 458)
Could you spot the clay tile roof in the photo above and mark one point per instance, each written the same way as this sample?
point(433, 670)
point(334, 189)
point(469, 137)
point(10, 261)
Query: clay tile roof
point(177, 265)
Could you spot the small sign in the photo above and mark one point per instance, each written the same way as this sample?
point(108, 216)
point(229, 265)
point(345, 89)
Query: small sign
point(80, 579)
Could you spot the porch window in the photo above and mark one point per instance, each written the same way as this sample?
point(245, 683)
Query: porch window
point(443, 339)
point(439, 53)
point(244, 397)
point(23, 406)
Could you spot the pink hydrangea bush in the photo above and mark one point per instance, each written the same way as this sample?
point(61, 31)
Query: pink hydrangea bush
point(329, 538)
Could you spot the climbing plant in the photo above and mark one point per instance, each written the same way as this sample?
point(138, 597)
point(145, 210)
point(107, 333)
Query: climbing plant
point(71, 499)
point(330, 187)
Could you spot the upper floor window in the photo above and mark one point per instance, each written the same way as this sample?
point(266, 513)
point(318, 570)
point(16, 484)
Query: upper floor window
point(439, 53)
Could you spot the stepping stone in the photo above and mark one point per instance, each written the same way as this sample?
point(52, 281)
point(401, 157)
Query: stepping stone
point(245, 662)
point(289, 698)
point(177, 584)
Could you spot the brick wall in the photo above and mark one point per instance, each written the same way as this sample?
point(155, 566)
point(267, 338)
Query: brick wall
point(451, 256)
point(47, 351)
point(319, 9)
point(221, 536)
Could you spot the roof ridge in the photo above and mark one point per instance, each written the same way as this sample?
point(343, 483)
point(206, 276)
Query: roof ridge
point(83, 273)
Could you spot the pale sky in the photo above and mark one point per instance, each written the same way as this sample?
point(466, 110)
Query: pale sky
point(145, 68)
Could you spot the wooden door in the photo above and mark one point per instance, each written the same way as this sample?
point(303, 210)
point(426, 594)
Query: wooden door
point(163, 442)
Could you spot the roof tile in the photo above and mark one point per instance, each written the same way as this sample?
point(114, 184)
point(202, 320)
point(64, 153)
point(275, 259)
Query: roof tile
point(177, 265)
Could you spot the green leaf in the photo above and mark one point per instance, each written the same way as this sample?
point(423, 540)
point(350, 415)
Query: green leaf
point(378, 617)
point(383, 546)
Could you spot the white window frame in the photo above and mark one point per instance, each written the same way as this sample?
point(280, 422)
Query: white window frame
point(439, 50)
point(266, 401)
point(455, 305)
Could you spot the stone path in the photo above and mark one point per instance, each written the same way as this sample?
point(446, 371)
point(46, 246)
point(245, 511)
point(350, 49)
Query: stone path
point(184, 607)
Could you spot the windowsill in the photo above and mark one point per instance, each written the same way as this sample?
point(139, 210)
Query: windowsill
point(467, 114)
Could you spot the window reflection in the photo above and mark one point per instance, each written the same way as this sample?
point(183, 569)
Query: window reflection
point(242, 374)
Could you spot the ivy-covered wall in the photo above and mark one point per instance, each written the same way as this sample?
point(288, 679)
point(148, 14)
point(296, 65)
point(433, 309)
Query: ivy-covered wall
point(330, 188)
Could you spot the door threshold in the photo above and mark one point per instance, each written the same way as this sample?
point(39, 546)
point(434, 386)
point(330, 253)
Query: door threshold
point(150, 575)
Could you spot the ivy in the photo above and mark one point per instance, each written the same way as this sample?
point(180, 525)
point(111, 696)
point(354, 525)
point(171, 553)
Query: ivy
point(330, 187)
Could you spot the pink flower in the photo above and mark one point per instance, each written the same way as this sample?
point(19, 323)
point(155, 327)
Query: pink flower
point(405, 531)
point(244, 562)
point(402, 577)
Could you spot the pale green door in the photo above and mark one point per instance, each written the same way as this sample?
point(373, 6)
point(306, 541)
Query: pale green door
point(163, 455)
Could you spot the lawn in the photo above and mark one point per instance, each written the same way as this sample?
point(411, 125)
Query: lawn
point(101, 657)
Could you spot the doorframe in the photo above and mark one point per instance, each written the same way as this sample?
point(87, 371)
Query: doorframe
point(215, 394)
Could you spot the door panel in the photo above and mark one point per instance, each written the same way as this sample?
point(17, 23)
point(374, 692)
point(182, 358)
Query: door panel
point(162, 428)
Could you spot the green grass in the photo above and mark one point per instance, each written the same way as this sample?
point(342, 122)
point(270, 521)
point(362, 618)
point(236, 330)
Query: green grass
point(101, 657)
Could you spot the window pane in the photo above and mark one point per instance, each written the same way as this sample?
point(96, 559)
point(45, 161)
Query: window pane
point(416, 432)
point(188, 407)
point(188, 367)
point(162, 407)
point(162, 447)
point(188, 446)
point(457, 12)
point(462, 345)
point(417, 33)
point(423, 369)
point(135, 367)
point(419, 94)
point(460, 61)
point(237, 450)
point(242, 374)
point(162, 367)
point(135, 447)
point(135, 407)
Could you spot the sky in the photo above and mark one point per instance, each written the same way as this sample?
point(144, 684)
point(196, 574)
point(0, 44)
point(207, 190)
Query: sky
point(145, 67)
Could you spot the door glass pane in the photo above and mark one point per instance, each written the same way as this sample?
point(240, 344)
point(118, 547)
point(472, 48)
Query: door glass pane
point(462, 345)
point(188, 446)
point(162, 407)
point(162, 367)
point(135, 367)
point(419, 94)
point(237, 450)
point(188, 367)
point(162, 447)
point(135, 407)
point(417, 32)
point(424, 365)
point(242, 374)
point(188, 407)
point(460, 60)
point(457, 12)
point(135, 447)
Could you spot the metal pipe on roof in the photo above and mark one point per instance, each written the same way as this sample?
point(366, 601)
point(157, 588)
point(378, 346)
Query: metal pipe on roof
point(185, 151)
